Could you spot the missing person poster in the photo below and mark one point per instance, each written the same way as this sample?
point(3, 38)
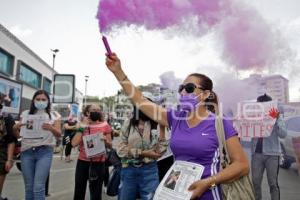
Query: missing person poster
point(33, 127)
point(177, 180)
point(94, 145)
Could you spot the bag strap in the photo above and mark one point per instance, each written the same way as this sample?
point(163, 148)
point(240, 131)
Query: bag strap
point(224, 158)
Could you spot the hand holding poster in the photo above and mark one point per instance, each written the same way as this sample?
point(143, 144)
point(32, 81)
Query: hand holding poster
point(256, 119)
point(93, 145)
point(33, 129)
point(177, 180)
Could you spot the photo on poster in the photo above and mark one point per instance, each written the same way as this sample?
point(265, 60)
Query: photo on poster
point(172, 180)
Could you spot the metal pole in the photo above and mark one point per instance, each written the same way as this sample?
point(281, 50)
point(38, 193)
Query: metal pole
point(85, 91)
point(53, 66)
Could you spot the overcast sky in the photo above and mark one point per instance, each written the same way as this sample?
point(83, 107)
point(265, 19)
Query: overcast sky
point(71, 27)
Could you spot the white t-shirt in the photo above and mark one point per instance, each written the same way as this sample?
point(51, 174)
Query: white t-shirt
point(47, 137)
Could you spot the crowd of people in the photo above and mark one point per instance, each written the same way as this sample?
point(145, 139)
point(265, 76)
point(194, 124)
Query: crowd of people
point(142, 143)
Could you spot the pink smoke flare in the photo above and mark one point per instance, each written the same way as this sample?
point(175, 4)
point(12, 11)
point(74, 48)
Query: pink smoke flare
point(247, 41)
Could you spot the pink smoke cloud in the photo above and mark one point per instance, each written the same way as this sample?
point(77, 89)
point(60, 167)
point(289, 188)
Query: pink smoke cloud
point(247, 40)
point(155, 14)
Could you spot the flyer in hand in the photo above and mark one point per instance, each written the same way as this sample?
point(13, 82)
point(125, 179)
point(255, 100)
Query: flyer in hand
point(177, 180)
point(93, 145)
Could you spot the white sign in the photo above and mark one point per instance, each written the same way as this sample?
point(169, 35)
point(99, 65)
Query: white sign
point(33, 127)
point(254, 119)
point(94, 145)
point(177, 180)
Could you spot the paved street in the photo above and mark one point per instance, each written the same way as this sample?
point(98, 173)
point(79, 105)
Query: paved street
point(62, 183)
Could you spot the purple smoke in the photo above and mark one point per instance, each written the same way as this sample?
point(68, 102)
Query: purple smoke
point(248, 41)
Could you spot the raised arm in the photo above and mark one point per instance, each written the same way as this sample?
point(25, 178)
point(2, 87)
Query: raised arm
point(152, 110)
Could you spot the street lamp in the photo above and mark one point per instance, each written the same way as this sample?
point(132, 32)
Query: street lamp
point(86, 80)
point(55, 51)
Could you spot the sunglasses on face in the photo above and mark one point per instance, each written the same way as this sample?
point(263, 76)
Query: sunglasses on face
point(189, 87)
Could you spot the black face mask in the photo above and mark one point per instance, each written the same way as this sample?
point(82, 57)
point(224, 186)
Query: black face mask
point(95, 116)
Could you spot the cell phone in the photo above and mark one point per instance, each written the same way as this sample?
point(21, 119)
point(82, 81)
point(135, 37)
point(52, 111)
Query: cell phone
point(105, 42)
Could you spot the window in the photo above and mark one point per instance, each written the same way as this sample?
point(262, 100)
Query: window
point(29, 76)
point(47, 85)
point(6, 62)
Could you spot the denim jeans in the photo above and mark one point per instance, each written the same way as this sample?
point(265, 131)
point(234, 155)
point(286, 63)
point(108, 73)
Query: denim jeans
point(259, 164)
point(35, 164)
point(139, 180)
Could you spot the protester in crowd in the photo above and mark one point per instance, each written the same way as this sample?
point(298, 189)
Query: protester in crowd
point(266, 155)
point(37, 152)
point(90, 168)
point(7, 145)
point(194, 137)
point(69, 131)
point(139, 149)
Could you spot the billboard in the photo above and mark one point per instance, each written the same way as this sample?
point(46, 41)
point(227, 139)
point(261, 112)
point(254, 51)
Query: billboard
point(64, 88)
point(11, 95)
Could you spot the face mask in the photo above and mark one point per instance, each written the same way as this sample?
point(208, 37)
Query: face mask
point(41, 105)
point(188, 102)
point(94, 116)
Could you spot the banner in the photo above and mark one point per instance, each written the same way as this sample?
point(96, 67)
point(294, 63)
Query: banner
point(255, 119)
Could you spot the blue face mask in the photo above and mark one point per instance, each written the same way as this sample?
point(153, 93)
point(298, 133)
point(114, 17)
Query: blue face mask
point(41, 105)
point(188, 102)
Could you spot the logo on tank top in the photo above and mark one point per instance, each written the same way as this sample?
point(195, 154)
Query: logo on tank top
point(204, 134)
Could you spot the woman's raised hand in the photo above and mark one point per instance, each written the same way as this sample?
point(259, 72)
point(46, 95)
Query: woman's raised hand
point(113, 63)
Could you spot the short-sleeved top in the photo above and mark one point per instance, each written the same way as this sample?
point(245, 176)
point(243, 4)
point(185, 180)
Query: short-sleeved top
point(48, 140)
point(6, 136)
point(102, 128)
point(198, 144)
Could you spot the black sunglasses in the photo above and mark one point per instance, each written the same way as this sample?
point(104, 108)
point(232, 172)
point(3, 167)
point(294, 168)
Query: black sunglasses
point(189, 87)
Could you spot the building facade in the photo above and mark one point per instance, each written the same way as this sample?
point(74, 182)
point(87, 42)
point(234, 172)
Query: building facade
point(22, 72)
point(275, 85)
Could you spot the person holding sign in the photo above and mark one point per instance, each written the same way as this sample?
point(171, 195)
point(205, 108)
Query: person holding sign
point(194, 138)
point(38, 128)
point(93, 136)
point(266, 154)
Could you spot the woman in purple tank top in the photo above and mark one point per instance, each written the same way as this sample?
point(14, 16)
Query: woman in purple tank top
point(194, 137)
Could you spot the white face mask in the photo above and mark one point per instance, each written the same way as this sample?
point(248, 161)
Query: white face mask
point(41, 105)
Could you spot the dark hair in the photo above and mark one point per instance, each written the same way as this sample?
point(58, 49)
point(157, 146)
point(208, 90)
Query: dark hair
point(86, 110)
point(33, 109)
point(207, 84)
point(264, 98)
point(139, 115)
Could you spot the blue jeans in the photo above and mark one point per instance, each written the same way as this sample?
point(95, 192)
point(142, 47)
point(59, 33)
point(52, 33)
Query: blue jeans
point(138, 180)
point(35, 164)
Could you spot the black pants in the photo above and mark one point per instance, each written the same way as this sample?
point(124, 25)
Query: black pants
point(82, 176)
point(68, 144)
point(68, 149)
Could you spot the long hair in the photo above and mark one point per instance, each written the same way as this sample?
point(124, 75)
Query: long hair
point(212, 102)
point(139, 115)
point(33, 109)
